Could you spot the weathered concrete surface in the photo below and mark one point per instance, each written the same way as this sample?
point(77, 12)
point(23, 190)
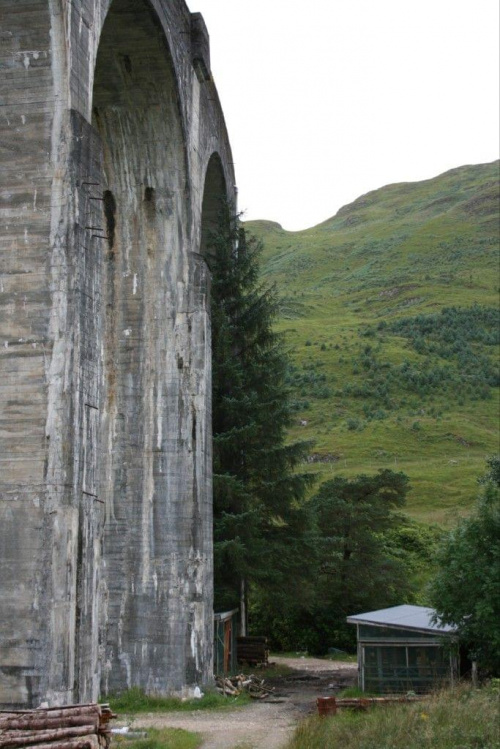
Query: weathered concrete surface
point(114, 154)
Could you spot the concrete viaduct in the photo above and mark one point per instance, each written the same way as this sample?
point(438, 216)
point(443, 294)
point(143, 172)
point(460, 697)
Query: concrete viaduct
point(114, 158)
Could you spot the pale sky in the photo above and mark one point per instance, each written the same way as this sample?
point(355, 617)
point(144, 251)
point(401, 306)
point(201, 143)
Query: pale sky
point(327, 99)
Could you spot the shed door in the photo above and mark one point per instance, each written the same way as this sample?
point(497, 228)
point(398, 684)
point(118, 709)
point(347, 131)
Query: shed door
point(227, 645)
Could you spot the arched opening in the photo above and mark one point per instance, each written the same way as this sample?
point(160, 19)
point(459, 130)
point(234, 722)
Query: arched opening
point(214, 196)
point(146, 479)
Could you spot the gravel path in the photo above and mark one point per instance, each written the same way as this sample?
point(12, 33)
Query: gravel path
point(318, 665)
point(263, 725)
point(258, 725)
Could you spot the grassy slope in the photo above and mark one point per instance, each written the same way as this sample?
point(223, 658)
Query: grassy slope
point(403, 250)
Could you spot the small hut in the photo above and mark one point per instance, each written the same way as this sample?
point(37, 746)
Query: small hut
point(401, 649)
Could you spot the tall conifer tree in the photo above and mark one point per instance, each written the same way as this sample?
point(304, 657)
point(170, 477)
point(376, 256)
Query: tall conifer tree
point(260, 528)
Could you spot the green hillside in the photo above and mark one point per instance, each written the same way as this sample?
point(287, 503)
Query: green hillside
point(390, 309)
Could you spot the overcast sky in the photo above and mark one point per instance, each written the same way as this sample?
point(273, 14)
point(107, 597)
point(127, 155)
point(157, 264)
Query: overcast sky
point(327, 99)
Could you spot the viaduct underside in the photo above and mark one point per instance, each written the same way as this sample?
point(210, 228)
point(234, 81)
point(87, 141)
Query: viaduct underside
point(114, 161)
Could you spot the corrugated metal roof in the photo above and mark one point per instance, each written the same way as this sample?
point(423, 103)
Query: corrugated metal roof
point(222, 617)
point(403, 617)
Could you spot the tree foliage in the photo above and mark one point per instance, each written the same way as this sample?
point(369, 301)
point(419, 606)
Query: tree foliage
point(457, 359)
point(492, 475)
point(466, 590)
point(367, 555)
point(259, 526)
point(358, 570)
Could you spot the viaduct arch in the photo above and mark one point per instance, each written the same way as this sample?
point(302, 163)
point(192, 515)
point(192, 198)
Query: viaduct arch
point(116, 156)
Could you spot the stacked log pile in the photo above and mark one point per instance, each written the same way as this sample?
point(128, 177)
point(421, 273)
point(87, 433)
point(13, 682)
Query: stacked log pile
point(237, 684)
point(71, 727)
point(252, 650)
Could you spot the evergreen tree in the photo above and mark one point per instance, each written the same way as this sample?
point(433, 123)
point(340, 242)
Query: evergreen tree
point(352, 515)
point(259, 525)
point(360, 568)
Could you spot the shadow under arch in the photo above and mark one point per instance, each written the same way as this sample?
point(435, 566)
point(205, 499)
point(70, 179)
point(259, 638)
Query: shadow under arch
point(155, 539)
point(215, 198)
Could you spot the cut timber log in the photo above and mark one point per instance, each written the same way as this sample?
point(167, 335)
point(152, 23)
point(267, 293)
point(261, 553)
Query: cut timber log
point(16, 738)
point(41, 722)
point(71, 727)
point(86, 742)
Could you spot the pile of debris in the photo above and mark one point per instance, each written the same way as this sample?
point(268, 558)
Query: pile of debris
point(235, 685)
point(71, 727)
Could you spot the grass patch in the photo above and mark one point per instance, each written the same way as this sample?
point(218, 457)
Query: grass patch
point(452, 719)
point(165, 738)
point(136, 701)
point(342, 657)
point(355, 692)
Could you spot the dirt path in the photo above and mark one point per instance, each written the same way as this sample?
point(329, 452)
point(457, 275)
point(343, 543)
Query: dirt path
point(264, 725)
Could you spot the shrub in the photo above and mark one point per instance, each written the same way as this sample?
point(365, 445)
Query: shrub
point(354, 425)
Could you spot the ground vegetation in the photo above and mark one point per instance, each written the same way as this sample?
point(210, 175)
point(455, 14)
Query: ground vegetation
point(461, 718)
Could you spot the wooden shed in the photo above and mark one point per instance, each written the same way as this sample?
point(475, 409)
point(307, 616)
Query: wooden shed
point(400, 650)
point(225, 633)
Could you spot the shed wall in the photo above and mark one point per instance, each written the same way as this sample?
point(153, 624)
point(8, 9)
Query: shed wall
point(398, 669)
point(397, 661)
